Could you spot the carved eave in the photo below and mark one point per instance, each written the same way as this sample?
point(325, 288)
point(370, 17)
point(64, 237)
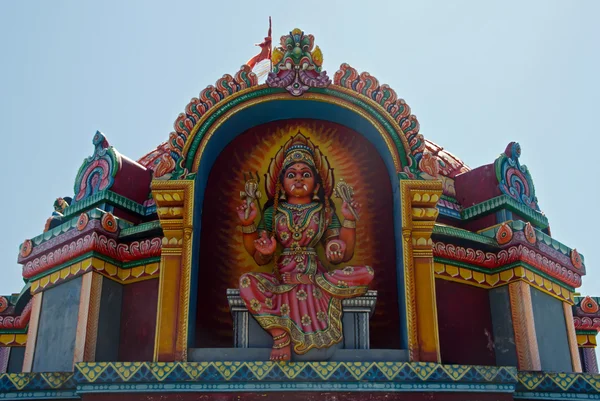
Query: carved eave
point(507, 252)
point(93, 240)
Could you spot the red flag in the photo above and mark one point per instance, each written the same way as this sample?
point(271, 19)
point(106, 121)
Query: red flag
point(265, 53)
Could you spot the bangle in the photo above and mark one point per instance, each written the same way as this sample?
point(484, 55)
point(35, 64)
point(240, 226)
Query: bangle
point(349, 224)
point(251, 229)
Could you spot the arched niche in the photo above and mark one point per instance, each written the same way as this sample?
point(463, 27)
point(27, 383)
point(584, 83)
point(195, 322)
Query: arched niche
point(221, 258)
point(235, 124)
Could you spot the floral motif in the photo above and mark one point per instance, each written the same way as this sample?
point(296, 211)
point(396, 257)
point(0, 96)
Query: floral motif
point(301, 295)
point(576, 259)
point(284, 309)
point(255, 305)
point(26, 248)
point(589, 305)
point(529, 233)
point(269, 303)
point(306, 320)
point(82, 222)
point(310, 233)
point(245, 282)
point(109, 223)
point(3, 304)
point(284, 236)
point(317, 293)
point(301, 267)
point(504, 234)
point(342, 283)
point(321, 316)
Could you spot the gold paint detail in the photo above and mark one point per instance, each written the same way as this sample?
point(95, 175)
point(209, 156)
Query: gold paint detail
point(418, 219)
point(448, 272)
point(175, 206)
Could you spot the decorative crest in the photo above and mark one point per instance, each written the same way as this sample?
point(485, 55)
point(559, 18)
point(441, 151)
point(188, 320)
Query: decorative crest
point(296, 66)
point(97, 173)
point(514, 179)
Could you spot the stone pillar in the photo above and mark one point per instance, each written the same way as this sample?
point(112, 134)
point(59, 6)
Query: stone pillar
point(589, 362)
point(87, 320)
point(174, 205)
point(32, 331)
point(528, 354)
point(572, 337)
point(419, 212)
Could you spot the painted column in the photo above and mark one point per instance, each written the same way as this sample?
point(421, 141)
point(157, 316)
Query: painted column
point(572, 337)
point(174, 202)
point(590, 363)
point(87, 318)
point(419, 212)
point(528, 354)
point(32, 331)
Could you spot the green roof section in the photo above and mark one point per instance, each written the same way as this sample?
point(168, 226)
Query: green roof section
point(505, 202)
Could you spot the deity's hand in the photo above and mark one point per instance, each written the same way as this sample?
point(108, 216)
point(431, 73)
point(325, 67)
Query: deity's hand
point(241, 212)
point(335, 251)
point(265, 245)
point(346, 210)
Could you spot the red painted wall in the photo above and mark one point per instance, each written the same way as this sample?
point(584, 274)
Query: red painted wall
point(138, 321)
point(465, 324)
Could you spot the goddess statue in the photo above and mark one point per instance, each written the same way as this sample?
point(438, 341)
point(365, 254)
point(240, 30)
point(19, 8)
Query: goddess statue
point(300, 304)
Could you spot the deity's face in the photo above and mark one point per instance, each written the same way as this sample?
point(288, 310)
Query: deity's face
point(299, 181)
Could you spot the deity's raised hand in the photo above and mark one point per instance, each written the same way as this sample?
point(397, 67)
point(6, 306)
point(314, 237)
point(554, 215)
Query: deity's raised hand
point(347, 213)
point(265, 245)
point(241, 212)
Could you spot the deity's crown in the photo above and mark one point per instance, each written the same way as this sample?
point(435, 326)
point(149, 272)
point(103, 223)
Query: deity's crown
point(299, 153)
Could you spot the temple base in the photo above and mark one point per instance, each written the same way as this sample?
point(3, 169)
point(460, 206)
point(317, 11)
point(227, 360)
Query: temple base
point(262, 354)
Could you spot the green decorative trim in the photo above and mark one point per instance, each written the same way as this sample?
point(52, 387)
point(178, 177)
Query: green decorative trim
point(449, 198)
point(586, 332)
point(15, 331)
point(519, 225)
point(141, 228)
point(505, 202)
point(228, 104)
point(463, 234)
point(106, 196)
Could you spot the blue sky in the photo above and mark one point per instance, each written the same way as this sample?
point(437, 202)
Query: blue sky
point(477, 74)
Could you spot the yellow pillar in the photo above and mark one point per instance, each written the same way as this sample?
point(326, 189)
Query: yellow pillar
point(419, 212)
point(174, 205)
point(528, 353)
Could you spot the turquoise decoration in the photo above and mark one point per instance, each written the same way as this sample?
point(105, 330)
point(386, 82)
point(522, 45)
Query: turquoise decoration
point(514, 179)
point(97, 173)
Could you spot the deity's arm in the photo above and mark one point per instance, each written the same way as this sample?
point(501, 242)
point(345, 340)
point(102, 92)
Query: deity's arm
point(348, 236)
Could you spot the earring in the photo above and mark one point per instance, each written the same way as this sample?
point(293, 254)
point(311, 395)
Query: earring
point(315, 195)
point(282, 196)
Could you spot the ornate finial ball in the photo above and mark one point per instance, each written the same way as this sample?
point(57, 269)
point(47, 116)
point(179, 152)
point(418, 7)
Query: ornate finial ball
point(3, 304)
point(26, 248)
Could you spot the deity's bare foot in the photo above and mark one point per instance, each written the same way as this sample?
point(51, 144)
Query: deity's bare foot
point(282, 354)
point(282, 347)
